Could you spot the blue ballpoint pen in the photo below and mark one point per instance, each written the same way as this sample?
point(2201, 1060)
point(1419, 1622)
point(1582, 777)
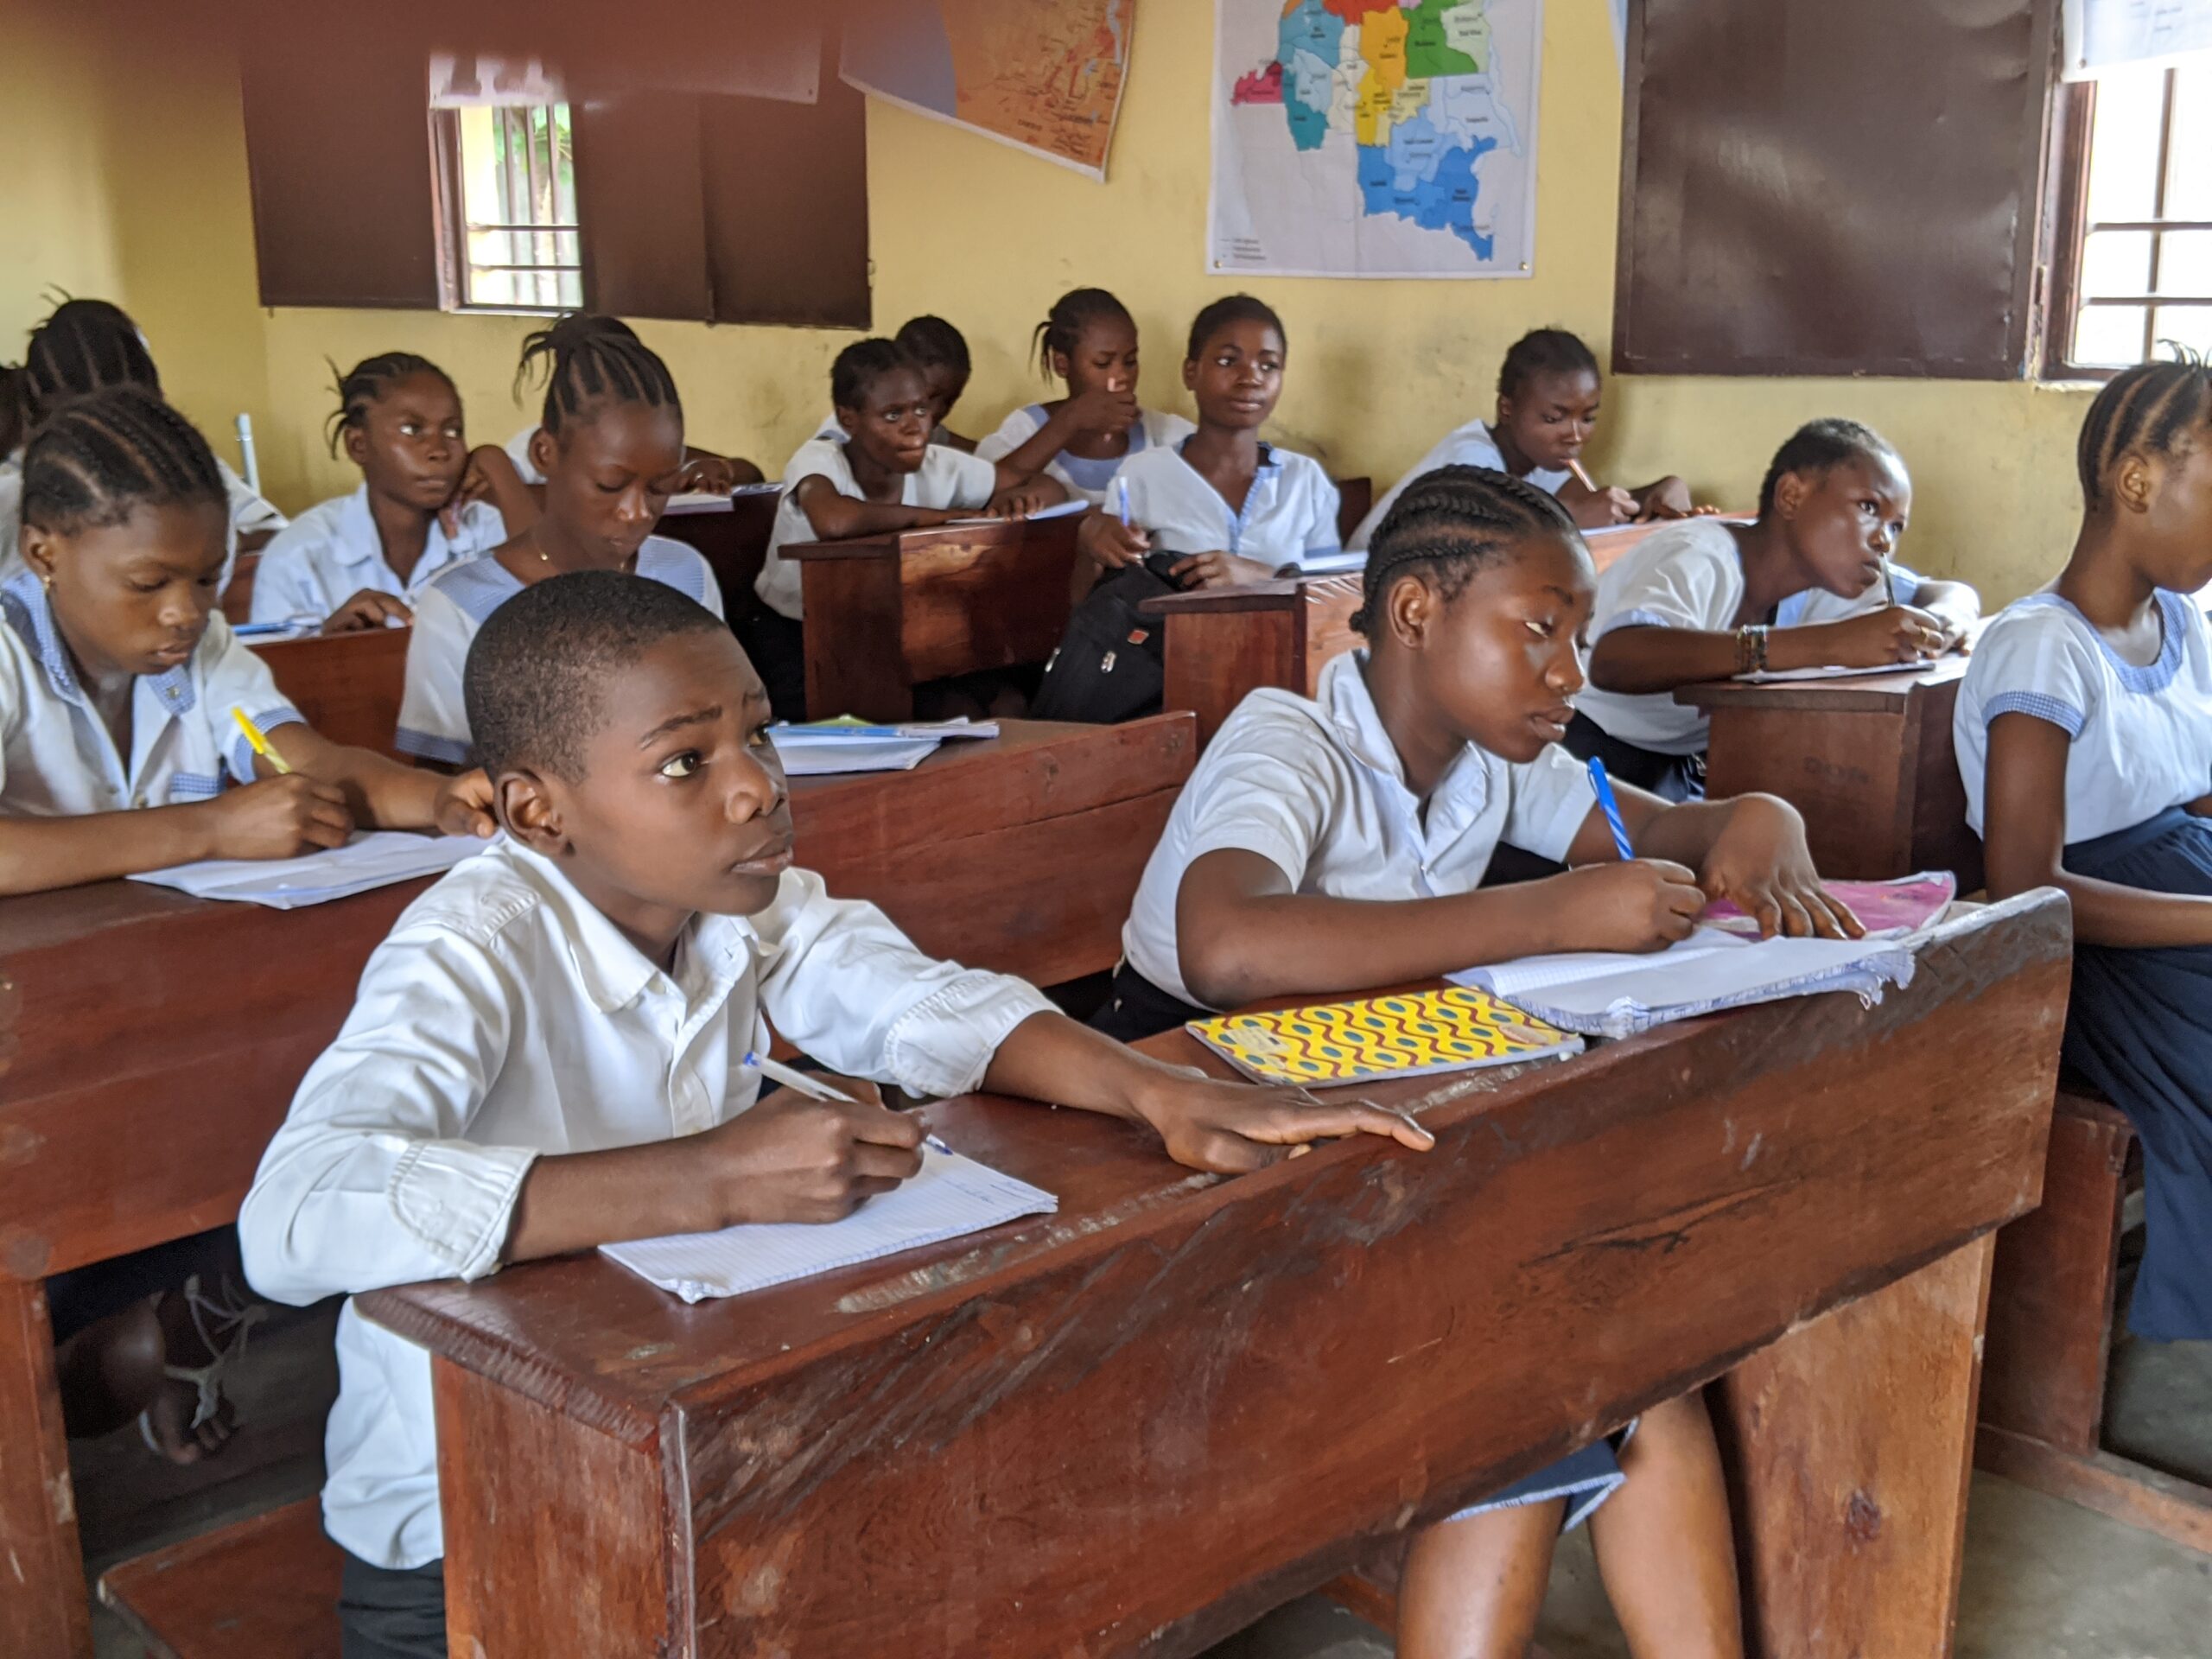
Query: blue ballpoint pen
point(1604, 787)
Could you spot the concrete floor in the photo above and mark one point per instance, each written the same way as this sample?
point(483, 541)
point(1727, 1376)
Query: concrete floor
point(2044, 1579)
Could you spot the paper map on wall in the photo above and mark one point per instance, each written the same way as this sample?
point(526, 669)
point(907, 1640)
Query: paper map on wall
point(1044, 75)
point(1375, 137)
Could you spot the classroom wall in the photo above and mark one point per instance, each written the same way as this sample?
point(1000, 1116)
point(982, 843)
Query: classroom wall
point(988, 235)
point(56, 228)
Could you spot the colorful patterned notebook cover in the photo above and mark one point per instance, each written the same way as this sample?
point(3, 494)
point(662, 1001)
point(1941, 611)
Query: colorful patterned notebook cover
point(1407, 1036)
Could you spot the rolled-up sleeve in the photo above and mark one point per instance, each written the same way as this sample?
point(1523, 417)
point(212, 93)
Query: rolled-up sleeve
point(846, 986)
point(370, 1181)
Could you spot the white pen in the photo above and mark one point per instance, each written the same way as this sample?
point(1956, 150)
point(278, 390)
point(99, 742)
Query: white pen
point(806, 1084)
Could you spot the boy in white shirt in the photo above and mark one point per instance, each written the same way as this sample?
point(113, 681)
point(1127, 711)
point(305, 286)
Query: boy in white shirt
point(547, 1054)
point(881, 471)
point(1810, 583)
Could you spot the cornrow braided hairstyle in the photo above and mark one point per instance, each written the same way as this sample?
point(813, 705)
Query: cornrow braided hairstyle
point(366, 382)
point(1234, 308)
point(1542, 351)
point(861, 364)
point(2146, 408)
point(934, 343)
point(1820, 447)
point(96, 458)
point(590, 360)
point(1448, 524)
point(83, 346)
point(1074, 311)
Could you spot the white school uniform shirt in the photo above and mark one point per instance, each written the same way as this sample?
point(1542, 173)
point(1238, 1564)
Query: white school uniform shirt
point(2141, 736)
point(1471, 445)
point(250, 514)
point(1318, 790)
point(453, 606)
point(1691, 575)
point(946, 478)
point(1290, 513)
point(1085, 477)
point(57, 759)
point(333, 552)
point(518, 448)
point(505, 1017)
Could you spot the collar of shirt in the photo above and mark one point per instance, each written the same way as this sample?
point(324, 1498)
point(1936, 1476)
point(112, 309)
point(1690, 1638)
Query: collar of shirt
point(1460, 796)
point(24, 603)
point(712, 955)
point(1264, 477)
point(360, 541)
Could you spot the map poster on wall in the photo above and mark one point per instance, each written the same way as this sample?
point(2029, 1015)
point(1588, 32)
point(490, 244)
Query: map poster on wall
point(1375, 137)
point(1042, 75)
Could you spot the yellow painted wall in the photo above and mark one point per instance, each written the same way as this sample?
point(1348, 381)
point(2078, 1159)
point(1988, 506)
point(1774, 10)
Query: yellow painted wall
point(56, 230)
point(988, 235)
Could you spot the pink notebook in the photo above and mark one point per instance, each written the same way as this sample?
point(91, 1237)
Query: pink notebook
point(1905, 906)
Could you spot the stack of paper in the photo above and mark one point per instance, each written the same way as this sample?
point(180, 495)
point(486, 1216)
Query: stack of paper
point(292, 627)
point(952, 1196)
point(375, 859)
point(1058, 510)
point(849, 746)
point(1604, 994)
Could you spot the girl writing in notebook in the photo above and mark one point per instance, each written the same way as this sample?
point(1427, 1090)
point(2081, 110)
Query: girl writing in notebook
point(610, 444)
point(1548, 393)
point(83, 346)
point(2084, 736)
point(1230, 508)
point(1340, 845)
point(881, 471)
point(426, 502)
point(120, 752)
point(1812, 582)
point(1087, 342)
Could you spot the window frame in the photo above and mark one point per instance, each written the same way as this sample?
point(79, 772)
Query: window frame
point(2068, 229)
point(452, 229)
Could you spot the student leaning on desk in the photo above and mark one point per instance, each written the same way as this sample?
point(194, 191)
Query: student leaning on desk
point(548, 1053)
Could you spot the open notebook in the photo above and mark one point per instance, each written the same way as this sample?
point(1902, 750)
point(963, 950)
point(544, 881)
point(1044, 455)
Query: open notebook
point(376, 858)
point(952, 1196)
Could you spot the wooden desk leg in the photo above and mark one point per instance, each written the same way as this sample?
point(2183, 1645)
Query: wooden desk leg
point(1850, 1445)
point(42, 1607)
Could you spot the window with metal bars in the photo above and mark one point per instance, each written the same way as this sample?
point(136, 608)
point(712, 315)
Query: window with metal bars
point(512, 238)
point(2132, 235)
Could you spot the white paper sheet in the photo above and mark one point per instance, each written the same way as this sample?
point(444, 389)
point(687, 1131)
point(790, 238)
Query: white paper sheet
point(378, 859)
point(952, 1196)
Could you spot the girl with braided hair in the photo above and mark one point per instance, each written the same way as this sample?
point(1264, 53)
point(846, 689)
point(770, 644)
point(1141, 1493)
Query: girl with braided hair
point(83, 346)
point(1088, 342)
point(2084, 737)
point(1340, 845)
point(610, 446)
point(119, 755)
point(426, 502)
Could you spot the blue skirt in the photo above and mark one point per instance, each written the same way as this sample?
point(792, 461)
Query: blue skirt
point(2141, 1029)
point(1585, 1478)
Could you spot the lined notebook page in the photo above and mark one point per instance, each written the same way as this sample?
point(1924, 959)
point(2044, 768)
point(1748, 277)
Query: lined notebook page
point(951, 1196)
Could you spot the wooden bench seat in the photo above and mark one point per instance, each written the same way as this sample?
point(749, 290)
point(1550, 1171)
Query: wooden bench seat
point(2052, 1306)
point(266, 1587)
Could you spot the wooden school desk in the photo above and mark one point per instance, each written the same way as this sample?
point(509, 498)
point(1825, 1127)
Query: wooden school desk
point(1222, 642)
point(1132, 1427)
point(885, 613)
point(149, 1043)
point(1868, 761)
point(347, 686)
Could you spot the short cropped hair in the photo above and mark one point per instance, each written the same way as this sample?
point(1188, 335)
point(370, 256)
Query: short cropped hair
point(537, 672)
point(1819, 448)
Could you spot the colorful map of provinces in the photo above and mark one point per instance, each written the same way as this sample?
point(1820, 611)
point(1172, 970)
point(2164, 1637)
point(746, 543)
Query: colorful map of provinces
point(1422, 114)
point(1045, 74)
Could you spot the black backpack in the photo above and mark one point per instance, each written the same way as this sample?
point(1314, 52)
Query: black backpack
point(1111, 666)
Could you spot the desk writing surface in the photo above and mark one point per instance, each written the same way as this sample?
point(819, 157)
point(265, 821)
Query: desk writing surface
point(1869, 763)
point(1179, 1374)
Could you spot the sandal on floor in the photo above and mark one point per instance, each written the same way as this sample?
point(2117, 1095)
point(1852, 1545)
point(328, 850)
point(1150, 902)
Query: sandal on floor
point(224, 1322)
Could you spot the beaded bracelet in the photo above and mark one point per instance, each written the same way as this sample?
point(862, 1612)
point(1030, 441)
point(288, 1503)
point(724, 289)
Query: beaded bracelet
point(1750, 649)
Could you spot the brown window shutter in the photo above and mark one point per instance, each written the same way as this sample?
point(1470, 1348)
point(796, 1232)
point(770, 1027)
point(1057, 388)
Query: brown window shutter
point(638, 199)
point(787, 208)
point(1810, 188)
point(341, 175)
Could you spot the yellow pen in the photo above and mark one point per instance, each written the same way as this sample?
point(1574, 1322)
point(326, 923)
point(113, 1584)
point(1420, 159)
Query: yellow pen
point(255, 736)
